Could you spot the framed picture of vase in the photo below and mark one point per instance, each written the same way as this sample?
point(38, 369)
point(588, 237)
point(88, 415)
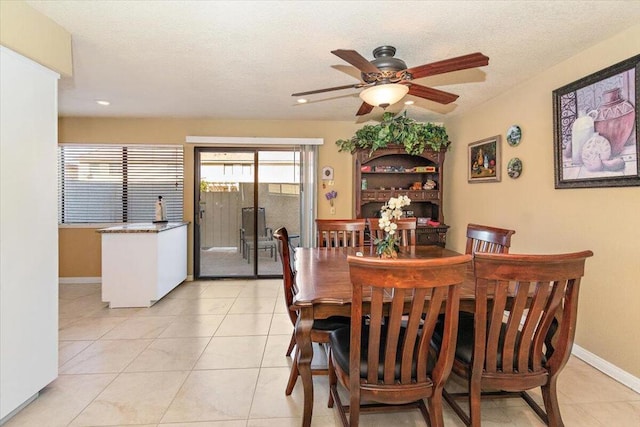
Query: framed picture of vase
point(484, 160)
point(595, 126)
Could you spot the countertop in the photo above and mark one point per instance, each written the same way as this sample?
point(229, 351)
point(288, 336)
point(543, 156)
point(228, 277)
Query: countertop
point(143, 227)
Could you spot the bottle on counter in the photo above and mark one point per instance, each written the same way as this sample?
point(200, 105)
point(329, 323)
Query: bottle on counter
point(161, 210)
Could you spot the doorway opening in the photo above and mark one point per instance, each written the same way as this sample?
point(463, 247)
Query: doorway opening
point(242, 196)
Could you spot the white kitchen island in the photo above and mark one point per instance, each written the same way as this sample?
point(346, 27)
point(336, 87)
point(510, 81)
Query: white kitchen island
point(142, 262)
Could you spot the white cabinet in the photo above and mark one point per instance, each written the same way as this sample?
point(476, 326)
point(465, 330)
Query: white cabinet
point(141, 263)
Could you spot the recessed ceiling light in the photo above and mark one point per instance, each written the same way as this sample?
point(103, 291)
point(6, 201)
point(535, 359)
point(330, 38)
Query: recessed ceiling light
point(408, 102)
point(101, 102)
point(302, 101)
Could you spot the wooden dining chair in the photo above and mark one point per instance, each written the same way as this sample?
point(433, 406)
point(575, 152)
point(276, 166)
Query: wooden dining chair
point(521, 338)
point(383, 361)
point(340, 232)
point(483, 238)
point(321, 328)
point(406, 230)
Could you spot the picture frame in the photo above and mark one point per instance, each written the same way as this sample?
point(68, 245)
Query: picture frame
point(595, 129)
point(484, 162)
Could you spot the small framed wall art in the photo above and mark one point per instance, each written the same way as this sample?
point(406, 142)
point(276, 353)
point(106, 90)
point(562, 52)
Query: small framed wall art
point(327, 173)
point(484, 160)
point(595, 129)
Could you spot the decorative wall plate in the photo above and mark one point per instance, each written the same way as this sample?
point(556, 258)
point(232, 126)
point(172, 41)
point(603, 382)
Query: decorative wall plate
point(514, 168)
point(514, 135)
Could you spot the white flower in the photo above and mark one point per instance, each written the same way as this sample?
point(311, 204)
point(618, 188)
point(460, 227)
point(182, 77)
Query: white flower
point(391, 212)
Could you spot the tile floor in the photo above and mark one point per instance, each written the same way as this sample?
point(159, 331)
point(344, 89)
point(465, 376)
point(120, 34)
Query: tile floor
point(211, 354)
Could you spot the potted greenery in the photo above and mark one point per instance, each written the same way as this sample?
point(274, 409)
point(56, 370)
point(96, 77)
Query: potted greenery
point(415, 137)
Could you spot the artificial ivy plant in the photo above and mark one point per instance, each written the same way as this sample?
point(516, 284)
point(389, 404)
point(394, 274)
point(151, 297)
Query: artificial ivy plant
point(400, 130)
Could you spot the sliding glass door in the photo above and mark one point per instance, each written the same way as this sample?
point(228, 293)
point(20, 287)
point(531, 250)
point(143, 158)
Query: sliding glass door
point(243, 196)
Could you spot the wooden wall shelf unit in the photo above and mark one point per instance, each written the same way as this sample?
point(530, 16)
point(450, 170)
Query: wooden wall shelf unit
point(391, 172)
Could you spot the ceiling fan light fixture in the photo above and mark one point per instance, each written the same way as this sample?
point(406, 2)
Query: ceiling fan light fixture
point(384, 95)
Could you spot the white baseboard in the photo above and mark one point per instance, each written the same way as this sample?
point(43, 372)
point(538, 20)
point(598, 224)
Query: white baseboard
point(189, 278)
point(79, 280)
point(607, 368)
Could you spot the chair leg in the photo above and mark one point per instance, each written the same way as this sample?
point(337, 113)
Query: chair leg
point(292, 343)
point(475, 395)
point(434, 416)
point(333, 380)
point(342, 411)
point(293, 375)
point(354, 408)
point(550, 397)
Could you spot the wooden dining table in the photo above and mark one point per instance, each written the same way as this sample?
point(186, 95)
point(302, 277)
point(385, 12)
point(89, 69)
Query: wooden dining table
point(324, 290)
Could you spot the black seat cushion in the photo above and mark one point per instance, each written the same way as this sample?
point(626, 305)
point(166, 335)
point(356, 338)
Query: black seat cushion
point(333, 322)
point(465, 339)
point(340, 341)
point(464, 342)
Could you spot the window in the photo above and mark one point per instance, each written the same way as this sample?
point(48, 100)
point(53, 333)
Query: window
point(118, 183)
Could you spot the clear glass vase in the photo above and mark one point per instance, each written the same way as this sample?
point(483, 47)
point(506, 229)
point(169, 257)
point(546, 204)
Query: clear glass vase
point(387, 247)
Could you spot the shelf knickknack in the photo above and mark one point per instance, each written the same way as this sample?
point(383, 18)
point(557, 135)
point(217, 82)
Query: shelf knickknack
point(415, 137)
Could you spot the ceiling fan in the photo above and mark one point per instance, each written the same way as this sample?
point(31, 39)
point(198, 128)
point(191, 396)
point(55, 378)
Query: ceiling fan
point(387, 79)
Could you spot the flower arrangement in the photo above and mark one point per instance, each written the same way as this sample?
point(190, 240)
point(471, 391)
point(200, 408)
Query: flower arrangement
point(389, 214)
point(331, 195)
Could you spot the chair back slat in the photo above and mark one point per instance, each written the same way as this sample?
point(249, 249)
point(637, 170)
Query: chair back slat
point(536, 309)
point(494, 328)
point(528, 297)
point(483, 238)
point(511, 335)
point(375, 333)
point(437, 305)
point(406, 230)
point(409, 346)
point(394, 323)
point(404, 297)
point(340, 232)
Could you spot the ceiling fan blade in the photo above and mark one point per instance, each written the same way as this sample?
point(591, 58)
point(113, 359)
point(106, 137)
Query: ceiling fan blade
point(432, 94)
point(329, 89)
point(364, 109)
point(357, 60)
point(471, 60)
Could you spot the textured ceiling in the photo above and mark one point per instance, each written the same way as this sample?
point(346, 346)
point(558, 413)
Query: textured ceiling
point(244, 59)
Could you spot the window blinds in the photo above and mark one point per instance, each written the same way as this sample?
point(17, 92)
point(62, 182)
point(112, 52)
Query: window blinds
point(119, 183)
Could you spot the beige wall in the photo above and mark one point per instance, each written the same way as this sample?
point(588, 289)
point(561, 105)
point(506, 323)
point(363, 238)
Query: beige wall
point(31, 34)
point(547, 220)
point(76, 263)
point(79, 252)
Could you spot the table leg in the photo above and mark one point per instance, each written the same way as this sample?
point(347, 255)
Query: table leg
point(305, 354)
